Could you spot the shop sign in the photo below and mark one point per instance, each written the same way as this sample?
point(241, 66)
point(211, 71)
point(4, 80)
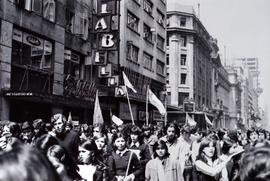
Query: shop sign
point(32, 40)
point(17, 35)
point(79, 88)
point(189, 106)
point(18, 94)
point(157, 116)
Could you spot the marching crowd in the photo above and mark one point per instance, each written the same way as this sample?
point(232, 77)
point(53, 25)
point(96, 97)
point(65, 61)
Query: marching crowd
point(40, 151)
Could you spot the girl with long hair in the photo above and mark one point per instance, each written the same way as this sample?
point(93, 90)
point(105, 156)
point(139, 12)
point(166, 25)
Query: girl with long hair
point(163, 167)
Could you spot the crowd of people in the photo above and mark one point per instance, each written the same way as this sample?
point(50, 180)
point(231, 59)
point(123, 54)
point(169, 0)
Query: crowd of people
point(42, 151)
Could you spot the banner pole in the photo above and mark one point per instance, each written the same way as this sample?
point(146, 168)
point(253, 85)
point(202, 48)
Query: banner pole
point(131, 114)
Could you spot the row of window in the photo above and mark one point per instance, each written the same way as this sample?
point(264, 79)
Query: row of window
point(183, 79)
point(45, 8)
point(133, 53)
point(183, 59)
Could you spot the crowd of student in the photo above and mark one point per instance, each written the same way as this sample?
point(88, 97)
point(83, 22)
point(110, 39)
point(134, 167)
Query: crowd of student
point(40, 151)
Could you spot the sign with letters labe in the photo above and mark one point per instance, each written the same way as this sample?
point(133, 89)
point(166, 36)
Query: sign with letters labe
point(106, 7)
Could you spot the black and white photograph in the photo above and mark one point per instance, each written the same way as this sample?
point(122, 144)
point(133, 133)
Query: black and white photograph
point(134, 90)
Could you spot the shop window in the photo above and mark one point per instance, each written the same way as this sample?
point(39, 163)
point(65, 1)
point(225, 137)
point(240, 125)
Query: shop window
point(132, 52)
point(160, 67)
point(73, 65)
point(132, 22)
point(31, 50)
point(147, 61)
point(148, 6)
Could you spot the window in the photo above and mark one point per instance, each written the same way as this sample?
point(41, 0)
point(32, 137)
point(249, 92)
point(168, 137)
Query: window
point(132, 52)
point(160, 67)
point(147, 61)
point(160, 18)
point(183, 41)
point(160, 42)
point(167, 59)
point(73, 65)
point(46, 8)
point(147, 34)
point(77, 23)
point(183, 78)
point(132, 22)
point(31, 50)
point(183, 59)
point(148, 6)
point(183, 21)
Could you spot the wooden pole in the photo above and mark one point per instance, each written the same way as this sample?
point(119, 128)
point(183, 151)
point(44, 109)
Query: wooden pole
point(131, 114)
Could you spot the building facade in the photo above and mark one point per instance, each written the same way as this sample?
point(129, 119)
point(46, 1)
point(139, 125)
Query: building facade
point(55, 55)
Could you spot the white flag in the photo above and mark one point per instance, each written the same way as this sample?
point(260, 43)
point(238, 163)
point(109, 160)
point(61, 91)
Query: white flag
point(190, 121)
point(69, 117)
point(117, 120)
point(156, 102)
point(208, 120)
point(97, 117)
point(127, 83)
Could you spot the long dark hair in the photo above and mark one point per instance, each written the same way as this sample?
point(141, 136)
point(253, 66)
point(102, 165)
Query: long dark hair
point(90, 145)
point(205, 143)
point(162, 144)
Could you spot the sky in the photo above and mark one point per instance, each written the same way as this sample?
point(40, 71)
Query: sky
point(243, 27)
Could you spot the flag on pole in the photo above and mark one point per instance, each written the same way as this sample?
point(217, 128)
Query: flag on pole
point(156, 102)
point(127, 83)
point(208, 120)
point(97, 117)
point(190, 121)
point(117, 120)
point(69, 117)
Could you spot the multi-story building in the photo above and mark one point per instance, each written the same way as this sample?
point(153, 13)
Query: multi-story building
point(142, 53)
point(56, 54)
point(44, 50)
point(188, 58)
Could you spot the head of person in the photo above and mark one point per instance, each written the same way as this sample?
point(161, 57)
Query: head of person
point(113, 129)
point(88, 152)
point(262, 135)
point(255, 164)
point(69, 125)
point(160, 150)
point(119, 141)
point(229, 143)
point(221, 133)
point(98, 128)
point(252, 135)
point(186, 131)
point(59, 123)
point(146, 129)
point(27, 132)
point(207, 150)
point(39, 127)
point(101, 141)
point(24, 163)
point(135, 134)
point(172, 131)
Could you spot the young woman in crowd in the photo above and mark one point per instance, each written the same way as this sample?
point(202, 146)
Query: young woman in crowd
point(208, 165)
point(90, 167)
point(103, 148)
point(162, 167)
point(123, 164)
point(137, 146)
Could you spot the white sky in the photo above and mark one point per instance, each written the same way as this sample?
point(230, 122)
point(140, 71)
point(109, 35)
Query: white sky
point(243, 26)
